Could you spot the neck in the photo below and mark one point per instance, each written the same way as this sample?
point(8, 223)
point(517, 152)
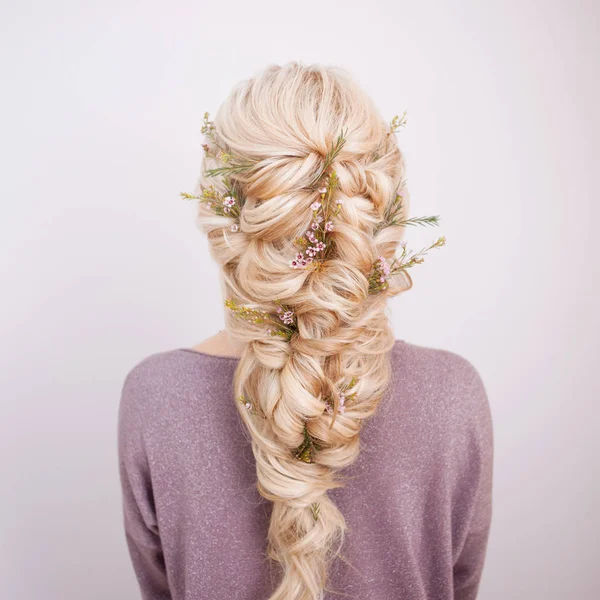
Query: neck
point(221, 344)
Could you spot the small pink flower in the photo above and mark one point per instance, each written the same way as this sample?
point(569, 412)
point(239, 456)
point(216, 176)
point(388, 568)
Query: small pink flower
point(225, 209)
point(339, 201)
point(299, 256)
point(323, 190)
point(235, 227)
point(294, 264)
point(279, 309)
point(248, 405)
point(314, 225)
point(315, 205)
point(319, 246)
point(329, 226)
point(287, 317)
point(228, 201)
point(309, 260)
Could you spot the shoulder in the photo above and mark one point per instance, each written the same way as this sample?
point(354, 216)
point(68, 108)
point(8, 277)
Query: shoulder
point(162, 380)
point(444, 365)
point(442, 382)
point(437, 365)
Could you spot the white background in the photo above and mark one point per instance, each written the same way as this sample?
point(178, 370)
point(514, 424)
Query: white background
point(102, 264)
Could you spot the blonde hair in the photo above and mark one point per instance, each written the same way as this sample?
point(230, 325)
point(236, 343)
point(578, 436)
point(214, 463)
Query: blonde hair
point(283, 124)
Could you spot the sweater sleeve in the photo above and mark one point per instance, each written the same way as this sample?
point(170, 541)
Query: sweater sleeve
point(139, 518)
point(477, 493)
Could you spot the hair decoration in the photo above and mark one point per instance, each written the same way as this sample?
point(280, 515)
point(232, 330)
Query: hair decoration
point(344, 397)
point(313, 244)
point(383, 271)
point(394, 214)
point(281, 324)
point(397, 123)
point(305, 450)
point(224, 205)
point(315, 508)
point(331, 155)
point(248, 405)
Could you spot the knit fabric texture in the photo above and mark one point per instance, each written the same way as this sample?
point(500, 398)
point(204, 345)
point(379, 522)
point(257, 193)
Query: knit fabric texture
point(417, 501)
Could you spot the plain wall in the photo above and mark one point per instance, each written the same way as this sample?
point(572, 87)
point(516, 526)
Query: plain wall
point(102, 264)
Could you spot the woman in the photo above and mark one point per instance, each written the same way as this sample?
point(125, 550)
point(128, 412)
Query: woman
point(241, 468)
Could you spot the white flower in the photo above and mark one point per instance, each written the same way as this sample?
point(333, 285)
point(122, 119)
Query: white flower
point(323, 190)
point(235, 227)
point(316, 205)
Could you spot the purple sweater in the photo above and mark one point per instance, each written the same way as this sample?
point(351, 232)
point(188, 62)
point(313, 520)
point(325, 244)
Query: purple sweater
point(417, 502)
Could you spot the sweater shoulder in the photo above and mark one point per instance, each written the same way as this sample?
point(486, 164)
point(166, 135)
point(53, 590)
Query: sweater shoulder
point(432, 361)
point(166, 379)
point(443, 381)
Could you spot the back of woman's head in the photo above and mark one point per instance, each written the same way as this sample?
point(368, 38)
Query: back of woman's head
point(300, 200)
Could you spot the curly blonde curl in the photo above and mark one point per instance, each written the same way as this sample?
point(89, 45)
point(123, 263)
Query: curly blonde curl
point(283, 123)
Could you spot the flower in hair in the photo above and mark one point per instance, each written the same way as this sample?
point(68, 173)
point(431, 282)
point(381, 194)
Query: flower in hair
point(281, 324)
point(382, 271)
point(224, 205)
point(313, 244)
point(344, 397)
point(287, 316)
point(247, 405)
point(228, 203)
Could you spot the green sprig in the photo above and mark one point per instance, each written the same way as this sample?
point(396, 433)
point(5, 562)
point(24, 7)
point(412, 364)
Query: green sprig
point(230, 169)
point(275, 324)
point(208, 128)
point(331, 155)
point(304, 452)
point(247, 405)
point(397, 123)
point(219, 202)
point(233, 164)
point(405, 261)
point(315, 508)
point(393, 216)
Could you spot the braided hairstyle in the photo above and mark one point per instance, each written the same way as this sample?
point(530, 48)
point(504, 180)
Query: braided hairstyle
point(306, 382)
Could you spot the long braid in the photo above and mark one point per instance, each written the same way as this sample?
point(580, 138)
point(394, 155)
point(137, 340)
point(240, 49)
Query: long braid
point(303, 388)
